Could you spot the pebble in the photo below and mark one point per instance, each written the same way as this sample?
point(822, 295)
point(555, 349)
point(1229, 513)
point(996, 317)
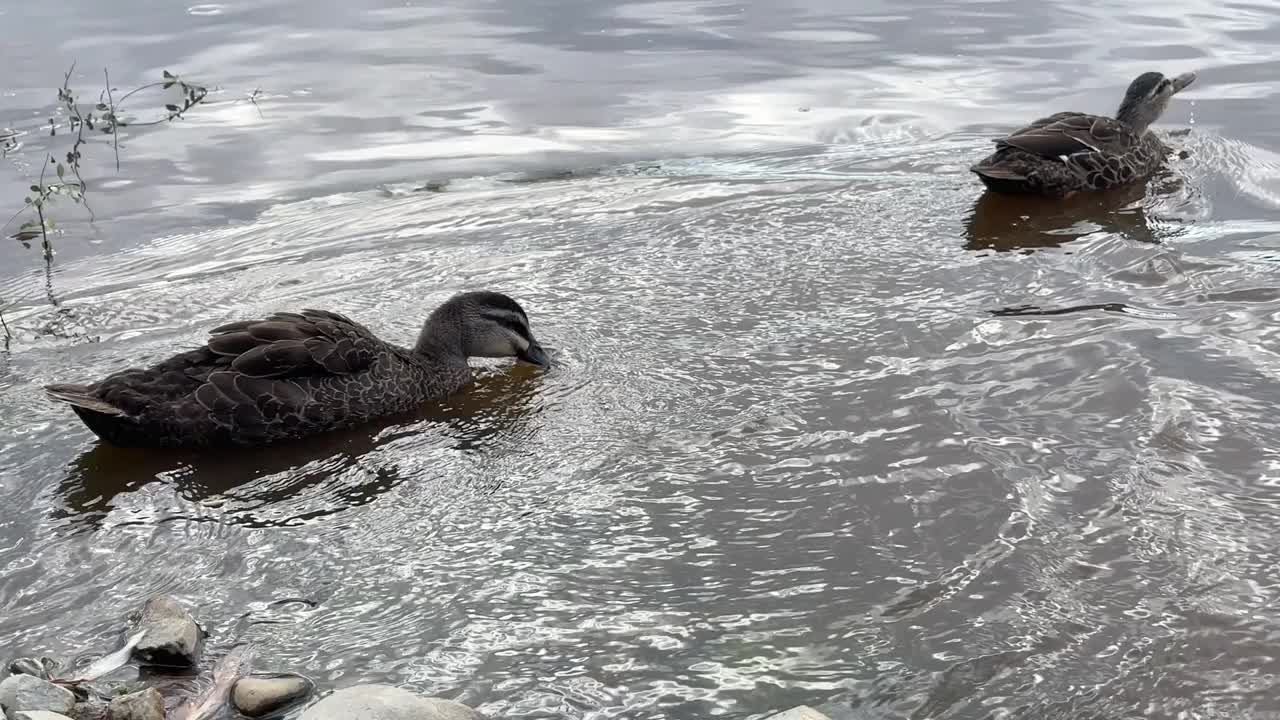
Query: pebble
point(39, 667)
point(173, 637)
point(258, 696)
point(28, 692)
point(384, 702)
point(145, 705)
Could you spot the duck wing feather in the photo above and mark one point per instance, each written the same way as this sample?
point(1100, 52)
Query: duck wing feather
point(291, 345)
point(1065, 134)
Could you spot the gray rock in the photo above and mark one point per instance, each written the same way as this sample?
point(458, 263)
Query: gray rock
point(42, 668)
point(384, 702)
point(40, 715)
point(91, 709)
point(799, 712)
point(145, 705)
point(27, 692)
point(259, 696)
point(172, 635)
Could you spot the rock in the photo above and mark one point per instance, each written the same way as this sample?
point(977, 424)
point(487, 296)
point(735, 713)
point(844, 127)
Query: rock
point(145, 705)
point(259, 696)
point(28, 692)
point(172, 635)
point(42, 668)
point(799, 712)
point(40, 715)
point(384, 702)
point(93, 709)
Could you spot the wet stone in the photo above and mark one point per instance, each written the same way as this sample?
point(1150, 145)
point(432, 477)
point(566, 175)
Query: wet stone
point(264, 695)
point(40, 715)
point(173, 637)
point(384, 702)
point(42, 668)
point(93, 709)
point(27, 692)
point(145, 705)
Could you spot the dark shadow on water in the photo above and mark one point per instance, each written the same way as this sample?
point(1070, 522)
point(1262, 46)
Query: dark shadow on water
point(1008, 223)
point(497, 405)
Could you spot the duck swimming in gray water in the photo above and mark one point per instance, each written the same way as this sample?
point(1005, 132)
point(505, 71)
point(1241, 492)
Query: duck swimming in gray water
point(1070, 152)
point(291, 375)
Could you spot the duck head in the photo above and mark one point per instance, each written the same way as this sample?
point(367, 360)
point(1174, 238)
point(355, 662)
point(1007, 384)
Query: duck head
point(1147, 97)
point(481, 324)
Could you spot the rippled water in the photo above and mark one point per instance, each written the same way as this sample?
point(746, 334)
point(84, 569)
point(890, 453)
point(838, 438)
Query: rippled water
point(826, 427)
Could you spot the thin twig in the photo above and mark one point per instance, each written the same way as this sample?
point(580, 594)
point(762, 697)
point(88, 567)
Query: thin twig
point(253, 99)
point(73, 157)
point(115, 126)
point(137, 90)
point(45, 245)
point(8, 336)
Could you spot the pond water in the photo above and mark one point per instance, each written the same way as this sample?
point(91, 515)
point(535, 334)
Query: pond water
point(826, 425)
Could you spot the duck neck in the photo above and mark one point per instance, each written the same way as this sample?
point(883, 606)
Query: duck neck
point(1138, 115)
point(441, 340)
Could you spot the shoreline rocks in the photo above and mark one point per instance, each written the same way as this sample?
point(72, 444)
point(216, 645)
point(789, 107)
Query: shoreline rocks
point(165, 635)
point(386, 702)
point(22, 692)
point(145, 705)
point(259, 696)
point(172, 637)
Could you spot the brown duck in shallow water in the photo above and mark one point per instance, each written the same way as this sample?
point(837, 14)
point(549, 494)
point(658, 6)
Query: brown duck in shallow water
point(1070, 152)
point(296, 374)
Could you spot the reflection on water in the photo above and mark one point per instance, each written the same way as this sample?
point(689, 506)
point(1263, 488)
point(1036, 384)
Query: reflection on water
point(828, 425)
point(1013, 222)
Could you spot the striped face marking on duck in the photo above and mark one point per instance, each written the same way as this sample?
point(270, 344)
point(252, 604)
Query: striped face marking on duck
point(1148, 96)
point(502, 330)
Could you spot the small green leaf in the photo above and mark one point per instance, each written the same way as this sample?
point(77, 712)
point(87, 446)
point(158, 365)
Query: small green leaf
point(168, 85)
point(168, 74)
point(61, 171)
point(35, 188)
point(101, 106)
point(171, 108)
point(26, 200)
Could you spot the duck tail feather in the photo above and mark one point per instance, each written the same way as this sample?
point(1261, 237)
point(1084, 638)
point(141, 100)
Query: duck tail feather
point(80, 396)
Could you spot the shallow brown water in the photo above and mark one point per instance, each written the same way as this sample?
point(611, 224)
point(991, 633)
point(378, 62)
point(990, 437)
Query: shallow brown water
point(826, 427)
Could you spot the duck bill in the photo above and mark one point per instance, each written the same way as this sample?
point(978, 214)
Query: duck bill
point(1183, 80)
point(535, 355)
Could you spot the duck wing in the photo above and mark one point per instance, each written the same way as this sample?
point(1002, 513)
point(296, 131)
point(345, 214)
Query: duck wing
point(290, 345)
point(288, 371)
point(1064, 134)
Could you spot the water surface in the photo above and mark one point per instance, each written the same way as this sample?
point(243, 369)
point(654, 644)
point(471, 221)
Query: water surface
point(827, 426)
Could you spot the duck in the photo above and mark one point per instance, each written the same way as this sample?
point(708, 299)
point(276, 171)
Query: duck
point(291, 375)
point(1071, 152)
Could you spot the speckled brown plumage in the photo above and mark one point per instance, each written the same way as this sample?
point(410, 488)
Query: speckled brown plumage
point(1071, 152)
point(295, 374)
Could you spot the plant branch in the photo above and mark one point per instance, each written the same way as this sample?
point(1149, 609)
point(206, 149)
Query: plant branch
point(115, 126)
